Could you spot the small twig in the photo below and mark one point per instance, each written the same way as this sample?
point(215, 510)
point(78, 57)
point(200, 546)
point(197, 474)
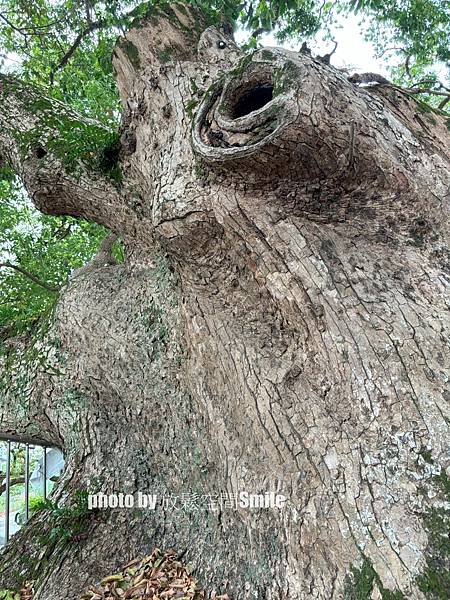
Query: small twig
point(326, 58)
point(444, 103)
point(428, 91)
point(259, 31)
point(424, 82)
point(322, 7)
point(27, 31)
point(389, 50)
point(10, 24)
point(335, 47)
point(407, 66)
point(30, 276)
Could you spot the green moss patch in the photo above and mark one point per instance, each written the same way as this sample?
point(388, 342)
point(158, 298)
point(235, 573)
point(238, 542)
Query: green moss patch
point(361, 582)
point(60, 132)
point(131, 52)
point(434, 582)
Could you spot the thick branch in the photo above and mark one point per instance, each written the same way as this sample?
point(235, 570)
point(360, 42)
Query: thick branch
point(13, 481)
point(58, 155)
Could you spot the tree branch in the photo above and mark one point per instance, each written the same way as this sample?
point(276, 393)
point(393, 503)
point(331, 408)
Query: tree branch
point(407, 66)
point(392, 49)
point(70, 52)
point(13, 481)
point(35, 30)
point(413, 90)
point(87, 8)
point(259, 31)
point(326, 58)
point(30, 276)
point(58, 153)
point(444, 103)
point(430, 91)
point(91, 27)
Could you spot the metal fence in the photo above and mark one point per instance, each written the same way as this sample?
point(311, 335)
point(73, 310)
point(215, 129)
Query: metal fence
point(28, 471)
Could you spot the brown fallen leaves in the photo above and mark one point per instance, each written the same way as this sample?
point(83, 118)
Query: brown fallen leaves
point(155, 577)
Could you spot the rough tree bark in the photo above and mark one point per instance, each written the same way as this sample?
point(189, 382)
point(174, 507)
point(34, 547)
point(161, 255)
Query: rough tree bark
point(279, 323)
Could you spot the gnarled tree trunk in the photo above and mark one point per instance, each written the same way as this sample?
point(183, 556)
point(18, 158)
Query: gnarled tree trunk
point(280, 322)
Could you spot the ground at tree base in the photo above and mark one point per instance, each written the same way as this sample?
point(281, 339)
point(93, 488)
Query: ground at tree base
point(158, 576)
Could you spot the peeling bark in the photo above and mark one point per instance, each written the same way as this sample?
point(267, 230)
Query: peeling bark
point(294, 338)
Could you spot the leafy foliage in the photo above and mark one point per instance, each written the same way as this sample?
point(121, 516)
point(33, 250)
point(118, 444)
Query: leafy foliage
point(421, 27)
point(418, 33)
point(40, 33)
point(69, 44)
point(9, 595)
point(48, 247)
point(434, 582)
point(26, 593)
point(67, 521)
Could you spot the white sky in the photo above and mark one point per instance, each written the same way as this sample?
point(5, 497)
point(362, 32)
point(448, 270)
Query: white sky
point(353, 51)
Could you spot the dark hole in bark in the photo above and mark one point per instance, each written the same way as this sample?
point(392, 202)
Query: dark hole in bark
point(252, 100)
point(40, 152)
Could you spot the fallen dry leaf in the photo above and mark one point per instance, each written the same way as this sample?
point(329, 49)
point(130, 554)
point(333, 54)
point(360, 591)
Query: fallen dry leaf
point(159, 576)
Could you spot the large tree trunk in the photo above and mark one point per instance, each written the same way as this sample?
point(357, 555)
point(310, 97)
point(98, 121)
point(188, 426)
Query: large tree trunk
point(280, 324)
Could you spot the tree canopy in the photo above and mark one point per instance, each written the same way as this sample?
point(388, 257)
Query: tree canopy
point(66, 46)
